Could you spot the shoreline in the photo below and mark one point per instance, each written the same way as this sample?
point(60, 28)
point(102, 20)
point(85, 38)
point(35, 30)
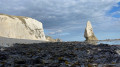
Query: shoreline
point(60, 54)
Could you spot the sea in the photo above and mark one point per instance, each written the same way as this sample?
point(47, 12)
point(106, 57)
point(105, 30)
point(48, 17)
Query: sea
point(110, 42)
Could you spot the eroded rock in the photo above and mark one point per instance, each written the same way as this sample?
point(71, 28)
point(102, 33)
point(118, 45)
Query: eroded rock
point(89, 34)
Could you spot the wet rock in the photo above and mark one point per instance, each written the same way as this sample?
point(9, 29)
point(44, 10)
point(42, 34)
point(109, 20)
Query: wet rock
point(59, 54)
point(20, 62)
point(3, 56)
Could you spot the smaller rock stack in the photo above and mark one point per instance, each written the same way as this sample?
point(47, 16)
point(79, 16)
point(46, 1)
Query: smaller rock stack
point(53, 40)
point(89, 34)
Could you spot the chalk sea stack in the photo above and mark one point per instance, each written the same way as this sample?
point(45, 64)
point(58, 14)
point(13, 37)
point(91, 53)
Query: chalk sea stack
point(89, 34)
point(21, 27)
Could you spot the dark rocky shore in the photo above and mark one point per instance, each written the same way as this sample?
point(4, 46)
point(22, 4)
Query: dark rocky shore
point(60, 54)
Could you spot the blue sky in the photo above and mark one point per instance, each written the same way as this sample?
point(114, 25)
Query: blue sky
point(66, 19)
point(114, 11)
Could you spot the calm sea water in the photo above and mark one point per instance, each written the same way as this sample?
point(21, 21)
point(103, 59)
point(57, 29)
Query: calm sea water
point(112, 42)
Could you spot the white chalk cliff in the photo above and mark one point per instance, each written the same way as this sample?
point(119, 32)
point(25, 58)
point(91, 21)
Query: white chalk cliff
point(89, 35)
point(21, 27)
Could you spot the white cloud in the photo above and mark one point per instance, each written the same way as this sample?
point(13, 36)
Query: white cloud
point(55, 32)
point(66, 15)
point(114, 13)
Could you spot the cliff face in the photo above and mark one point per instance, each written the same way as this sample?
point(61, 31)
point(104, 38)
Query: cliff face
point(89, 35)
point(21, 27)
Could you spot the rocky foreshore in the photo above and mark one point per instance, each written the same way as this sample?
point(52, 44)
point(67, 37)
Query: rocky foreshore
point(60, 54)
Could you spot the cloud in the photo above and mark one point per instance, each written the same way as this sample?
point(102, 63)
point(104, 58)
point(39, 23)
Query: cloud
point(70, 16)
point(55, 32)
point(117, 12)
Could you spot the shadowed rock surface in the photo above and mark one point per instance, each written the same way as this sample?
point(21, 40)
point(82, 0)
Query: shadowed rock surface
point(59, 54)
point(89, 34)
point(8, 42)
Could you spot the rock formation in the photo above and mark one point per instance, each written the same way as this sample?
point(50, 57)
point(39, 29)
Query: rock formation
point(53, 40)
point(58, 40)
point(21, 27)
point(89, 35)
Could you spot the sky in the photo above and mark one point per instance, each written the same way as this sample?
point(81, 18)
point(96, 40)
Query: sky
point(66, 19)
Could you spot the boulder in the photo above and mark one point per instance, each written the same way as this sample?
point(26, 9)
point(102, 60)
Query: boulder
point(89, 34)
point(21, 27)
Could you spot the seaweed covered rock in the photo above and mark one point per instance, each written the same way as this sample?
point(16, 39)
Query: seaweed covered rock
point(60, 54)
